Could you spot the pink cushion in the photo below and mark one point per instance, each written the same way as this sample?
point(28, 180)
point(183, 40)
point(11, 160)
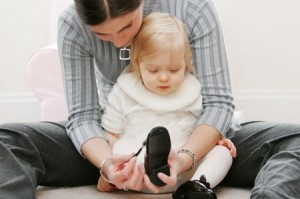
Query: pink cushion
point(43, 74)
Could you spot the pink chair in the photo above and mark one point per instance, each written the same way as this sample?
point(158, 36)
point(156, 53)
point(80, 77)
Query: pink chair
point(43, 72)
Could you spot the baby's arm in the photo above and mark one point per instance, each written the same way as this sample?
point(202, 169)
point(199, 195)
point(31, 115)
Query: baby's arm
point(112, 137)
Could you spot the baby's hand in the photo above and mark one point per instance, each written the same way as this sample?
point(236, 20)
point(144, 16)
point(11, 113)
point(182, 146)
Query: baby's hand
point(228, 143)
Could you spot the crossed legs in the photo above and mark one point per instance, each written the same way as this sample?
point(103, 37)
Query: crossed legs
point(268, 159)
point(39, 153)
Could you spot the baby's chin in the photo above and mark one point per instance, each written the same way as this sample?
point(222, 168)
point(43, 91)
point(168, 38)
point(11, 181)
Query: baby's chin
point(164, 93)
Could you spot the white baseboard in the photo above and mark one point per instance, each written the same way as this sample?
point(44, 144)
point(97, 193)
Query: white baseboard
point(277, 106)
point(18, 107)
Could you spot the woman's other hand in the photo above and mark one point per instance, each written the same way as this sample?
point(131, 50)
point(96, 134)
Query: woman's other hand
point(175, 167)
point(134, 180)
point(118, 168)
point(122, 172)
point(229, 144)
point(105, 186)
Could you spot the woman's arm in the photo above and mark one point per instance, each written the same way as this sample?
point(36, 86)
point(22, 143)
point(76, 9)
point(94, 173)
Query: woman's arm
point(209, 58)
point(79, 80)
point(202, 140)
point(84, 126)
point(97, 151)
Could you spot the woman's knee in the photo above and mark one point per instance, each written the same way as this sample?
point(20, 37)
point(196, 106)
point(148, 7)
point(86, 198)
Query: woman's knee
point(12, 132)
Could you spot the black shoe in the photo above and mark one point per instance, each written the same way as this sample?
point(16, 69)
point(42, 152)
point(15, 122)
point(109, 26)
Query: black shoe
point(195, 189)
point(158, 146)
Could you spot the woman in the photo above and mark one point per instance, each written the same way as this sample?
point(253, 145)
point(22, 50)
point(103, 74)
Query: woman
point(85, 39)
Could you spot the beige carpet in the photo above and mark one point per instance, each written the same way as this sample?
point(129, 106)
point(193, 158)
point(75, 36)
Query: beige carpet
point(90, 192)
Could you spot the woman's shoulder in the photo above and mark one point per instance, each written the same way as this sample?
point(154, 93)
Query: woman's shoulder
point(69, 19)
point(69, 14)
point(189, 11)
point(169, 5)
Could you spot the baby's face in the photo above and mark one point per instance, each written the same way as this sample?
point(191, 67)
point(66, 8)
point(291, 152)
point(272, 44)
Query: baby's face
point(164, 72)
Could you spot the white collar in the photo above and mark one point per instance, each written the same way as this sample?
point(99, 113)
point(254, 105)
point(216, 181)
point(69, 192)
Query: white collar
point(187, 93)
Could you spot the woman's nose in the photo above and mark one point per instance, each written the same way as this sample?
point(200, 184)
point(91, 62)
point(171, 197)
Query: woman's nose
point(118, 41)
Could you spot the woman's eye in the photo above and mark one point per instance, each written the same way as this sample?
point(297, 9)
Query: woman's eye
point(129, 26)
point(103, 37)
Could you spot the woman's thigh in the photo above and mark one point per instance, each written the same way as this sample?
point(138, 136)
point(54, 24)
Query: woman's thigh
point(257, 142)
point(59, 164)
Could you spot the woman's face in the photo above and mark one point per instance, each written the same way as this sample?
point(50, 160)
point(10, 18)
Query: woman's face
point(121, 30)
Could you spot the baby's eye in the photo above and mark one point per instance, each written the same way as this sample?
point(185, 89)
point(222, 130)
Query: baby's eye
point(174, 70)
point(153, 70)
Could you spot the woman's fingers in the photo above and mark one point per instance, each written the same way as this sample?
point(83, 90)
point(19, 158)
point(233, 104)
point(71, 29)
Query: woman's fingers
point(135, 181)
point(120, 159)
point(231, 147)
point(169, 180)
point(104, 186)
point(149, 184)
point(122, 172)
point(229, 144)
point(221, 142)
point(119, 168)
point(233, 151)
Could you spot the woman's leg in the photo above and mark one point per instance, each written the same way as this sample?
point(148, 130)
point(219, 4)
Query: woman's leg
point(39, 153)
point(268, 159)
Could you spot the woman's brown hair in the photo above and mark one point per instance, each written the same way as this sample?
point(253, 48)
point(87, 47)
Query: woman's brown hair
point(94, 12)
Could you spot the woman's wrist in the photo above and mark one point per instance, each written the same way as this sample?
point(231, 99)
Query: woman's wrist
point(91, 149)
point(185, 161)
point(104, 168)
point(191, 154)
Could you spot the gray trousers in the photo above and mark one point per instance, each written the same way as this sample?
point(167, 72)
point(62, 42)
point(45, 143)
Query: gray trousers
point(42, 154)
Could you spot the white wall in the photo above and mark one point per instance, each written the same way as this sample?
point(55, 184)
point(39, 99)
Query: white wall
point(23, 30)
point(263, 47)
point(262, 41)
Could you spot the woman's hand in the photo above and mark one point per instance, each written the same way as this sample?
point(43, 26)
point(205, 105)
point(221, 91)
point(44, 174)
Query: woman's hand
point(175, 167)
point(122, 173)
point(229, 144)
point(133, 182)
point(135, 179)
point(105, 186)
point(118, 168)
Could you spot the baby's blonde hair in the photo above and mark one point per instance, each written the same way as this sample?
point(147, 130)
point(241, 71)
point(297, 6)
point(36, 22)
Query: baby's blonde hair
point(160, 33)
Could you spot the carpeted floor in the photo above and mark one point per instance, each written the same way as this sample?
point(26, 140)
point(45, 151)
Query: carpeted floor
point(90, 192)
